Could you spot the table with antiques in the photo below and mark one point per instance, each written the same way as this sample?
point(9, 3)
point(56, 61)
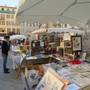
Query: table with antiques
point(78, 75)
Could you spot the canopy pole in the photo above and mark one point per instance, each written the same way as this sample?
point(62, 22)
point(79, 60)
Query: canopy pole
point(30, 7)
point(87, 28)
point(85, 36)
point(83, 2)
point(68, 7)
point(86, 31)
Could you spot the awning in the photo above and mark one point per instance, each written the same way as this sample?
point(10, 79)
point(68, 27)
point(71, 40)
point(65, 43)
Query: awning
point(39, 31)
point(18, 37)
point(74, 12)
point(59, 30)
point(66, 30)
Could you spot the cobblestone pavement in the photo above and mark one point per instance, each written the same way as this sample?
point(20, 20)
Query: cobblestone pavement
point(8, 81)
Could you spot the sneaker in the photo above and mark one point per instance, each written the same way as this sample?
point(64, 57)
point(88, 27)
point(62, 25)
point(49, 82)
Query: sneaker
point(6, 72)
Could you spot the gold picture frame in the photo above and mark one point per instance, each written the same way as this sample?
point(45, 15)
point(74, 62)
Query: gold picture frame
point(52, 81)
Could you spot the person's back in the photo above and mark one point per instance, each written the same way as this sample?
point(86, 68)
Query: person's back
point(5, 47)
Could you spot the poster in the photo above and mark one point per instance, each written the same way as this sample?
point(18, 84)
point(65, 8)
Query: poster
point(76, 43)
point(42, 44)
point(46, 83)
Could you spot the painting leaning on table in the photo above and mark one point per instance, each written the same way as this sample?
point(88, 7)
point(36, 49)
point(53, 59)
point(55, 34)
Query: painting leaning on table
point(46, 83)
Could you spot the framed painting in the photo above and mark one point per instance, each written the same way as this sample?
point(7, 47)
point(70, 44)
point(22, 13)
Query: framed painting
point(46, 83)
point(76, 43)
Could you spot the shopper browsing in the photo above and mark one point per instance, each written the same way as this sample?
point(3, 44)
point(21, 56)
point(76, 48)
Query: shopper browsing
point(5, 49)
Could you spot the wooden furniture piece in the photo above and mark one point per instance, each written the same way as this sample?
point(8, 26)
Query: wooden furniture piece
point(58, 81)
point(37, 61)
point(19, 65)
point(18, 70)
point(37, 46)
point(29, 82)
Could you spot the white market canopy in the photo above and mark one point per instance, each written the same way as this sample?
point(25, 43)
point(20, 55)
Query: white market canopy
point(15, 37)
point(59, 30)
point(65, 30)
point(18, 37)
point(38, 31)
point(75, 12)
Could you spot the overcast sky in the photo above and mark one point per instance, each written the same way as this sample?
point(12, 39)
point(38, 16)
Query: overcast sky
point(12, 3)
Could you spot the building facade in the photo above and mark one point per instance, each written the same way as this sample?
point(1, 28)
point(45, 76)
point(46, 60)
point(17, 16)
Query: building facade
point(7, 24)
point(27, 28)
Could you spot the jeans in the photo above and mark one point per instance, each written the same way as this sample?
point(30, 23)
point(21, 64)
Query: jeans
point(4, 61)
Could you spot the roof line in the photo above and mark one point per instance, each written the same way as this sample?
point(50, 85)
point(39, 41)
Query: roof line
point(7, 6)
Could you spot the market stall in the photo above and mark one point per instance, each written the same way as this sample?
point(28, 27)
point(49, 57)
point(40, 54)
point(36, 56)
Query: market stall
point(60, 39)
point(74, 71)
point(77, 74)
point(19, 50)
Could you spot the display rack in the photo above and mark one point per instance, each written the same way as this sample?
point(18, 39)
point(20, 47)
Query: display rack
point(37, 46)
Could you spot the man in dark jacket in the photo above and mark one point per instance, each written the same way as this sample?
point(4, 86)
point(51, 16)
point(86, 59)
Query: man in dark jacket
point(5, 49)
